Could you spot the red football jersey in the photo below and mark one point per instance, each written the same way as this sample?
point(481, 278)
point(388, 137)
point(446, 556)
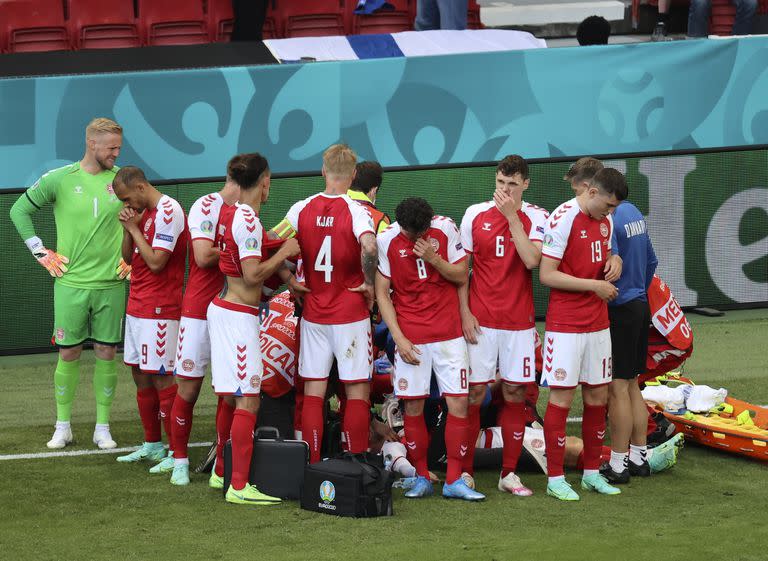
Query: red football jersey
point(427, 304)
point(159, 295)
point(202, 284)
point(501, 287)
point(279, 336)
point(240, 237)
point(328, 228)
point(582, 245)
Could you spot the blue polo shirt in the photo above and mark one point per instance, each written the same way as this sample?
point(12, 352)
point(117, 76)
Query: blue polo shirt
point(632, 243)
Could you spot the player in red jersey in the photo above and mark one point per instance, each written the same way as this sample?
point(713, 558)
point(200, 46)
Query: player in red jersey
point(577, 342)
point(193, 347)
point(422, 262)
point(233, 322)
point(504, 237)
point(338, 250)
point(155, 244)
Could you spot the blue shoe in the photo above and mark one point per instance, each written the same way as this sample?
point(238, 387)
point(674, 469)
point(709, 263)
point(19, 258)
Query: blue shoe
point(459, 490)
point(422, 487)
point(405, 483)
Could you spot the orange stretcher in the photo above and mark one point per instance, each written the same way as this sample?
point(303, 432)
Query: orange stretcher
point(738, 427)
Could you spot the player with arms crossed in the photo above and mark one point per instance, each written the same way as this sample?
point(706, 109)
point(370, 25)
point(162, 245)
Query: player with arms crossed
point(338, 249)
point(88, 295)
point(155, 242)
point(504, 237)
point(421, 261)
point(577, 342)
point(233, 322)
point(193, 347)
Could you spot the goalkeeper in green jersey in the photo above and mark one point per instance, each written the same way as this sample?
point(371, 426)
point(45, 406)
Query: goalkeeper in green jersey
point(89, 291)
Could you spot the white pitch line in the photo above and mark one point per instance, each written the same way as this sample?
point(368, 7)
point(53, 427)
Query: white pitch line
point(42, 455)
point(574, 419)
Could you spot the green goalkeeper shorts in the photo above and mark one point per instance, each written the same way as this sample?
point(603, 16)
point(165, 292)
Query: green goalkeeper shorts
point(87, 313)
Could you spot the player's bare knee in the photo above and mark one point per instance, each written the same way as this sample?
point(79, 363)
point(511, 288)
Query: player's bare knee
point(104, 352)
point(250, 404)
point(561, 397)
point(189, 390)
point(513, 392)
point(70, 353)
point(413, 407)
point(477, 394)
point(595, 395)
point(457, 406)
point(315, 387)
point(361, 390)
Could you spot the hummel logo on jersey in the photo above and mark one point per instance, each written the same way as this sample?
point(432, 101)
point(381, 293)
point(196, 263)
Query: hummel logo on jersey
point(78, 190)
point(403, 253)
point(583, 234)
point(411, 445)
point(486, 226)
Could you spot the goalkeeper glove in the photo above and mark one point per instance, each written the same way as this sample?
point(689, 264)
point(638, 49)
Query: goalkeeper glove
point(123, 270)
point(52, 261)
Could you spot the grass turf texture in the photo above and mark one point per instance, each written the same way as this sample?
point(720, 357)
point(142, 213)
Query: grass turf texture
point(92, 508)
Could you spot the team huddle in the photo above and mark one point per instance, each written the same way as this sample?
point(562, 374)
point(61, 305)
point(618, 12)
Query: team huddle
point(342, 263)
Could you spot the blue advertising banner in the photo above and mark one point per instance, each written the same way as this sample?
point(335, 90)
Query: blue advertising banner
point(404, 111)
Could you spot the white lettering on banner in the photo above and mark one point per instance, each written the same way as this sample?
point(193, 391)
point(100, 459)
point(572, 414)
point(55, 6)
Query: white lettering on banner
point(668, 317)
point(666, 219)
point(726, 256)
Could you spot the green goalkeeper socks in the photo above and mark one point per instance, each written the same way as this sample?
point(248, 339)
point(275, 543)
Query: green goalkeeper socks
point(104, 384)
point(65, 381)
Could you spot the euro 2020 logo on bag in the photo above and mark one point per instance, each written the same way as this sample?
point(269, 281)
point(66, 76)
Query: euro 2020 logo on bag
point(327, 494)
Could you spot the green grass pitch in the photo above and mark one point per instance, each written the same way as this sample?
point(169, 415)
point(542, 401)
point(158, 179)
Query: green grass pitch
point(711, 505)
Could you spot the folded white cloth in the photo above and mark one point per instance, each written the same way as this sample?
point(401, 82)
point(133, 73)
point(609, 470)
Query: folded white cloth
point(701, 399)
point(671, 400)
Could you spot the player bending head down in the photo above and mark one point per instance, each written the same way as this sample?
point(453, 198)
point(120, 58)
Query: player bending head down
point(581, 173)
point(233, 320)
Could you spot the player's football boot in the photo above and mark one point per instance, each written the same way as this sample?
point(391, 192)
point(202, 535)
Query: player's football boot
point(562, 490)
point(616, 477)
point(422, 487)
point(103, 438)
point(152, 451)
point(180, 475)
point(61, 436)
point(404, 483)
point(468, 479)
point(250, 495)
point(636, 470)
point(163, 466)
point(459, 490)
point(511, 484)
point(215, 481)
point(599, 484)
point(664, 456)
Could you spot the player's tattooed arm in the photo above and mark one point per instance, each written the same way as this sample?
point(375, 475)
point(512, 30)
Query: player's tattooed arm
point(369, 257)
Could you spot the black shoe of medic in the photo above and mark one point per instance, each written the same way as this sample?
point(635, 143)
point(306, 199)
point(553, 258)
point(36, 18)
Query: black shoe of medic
point(614, 478)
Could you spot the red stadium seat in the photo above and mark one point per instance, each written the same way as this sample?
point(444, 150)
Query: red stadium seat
point(473, 15)
point(33, 26)
point(173, 22)
point(95, 24)
point(384, 21)
point(221, 20)
point(721, 18)
point(318, 18)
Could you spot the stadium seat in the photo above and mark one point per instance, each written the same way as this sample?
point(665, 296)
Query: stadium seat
point(318, 18)
point(95, 24)
point(221, 20)
point(473, 15)
point(721, 18)
point(393, 21)
point(33, 26)
point(173, 22)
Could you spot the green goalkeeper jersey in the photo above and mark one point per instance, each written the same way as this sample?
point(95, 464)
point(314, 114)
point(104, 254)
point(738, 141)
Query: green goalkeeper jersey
point(87, 229)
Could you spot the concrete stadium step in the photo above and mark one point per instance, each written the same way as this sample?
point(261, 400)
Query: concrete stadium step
point(496, 13)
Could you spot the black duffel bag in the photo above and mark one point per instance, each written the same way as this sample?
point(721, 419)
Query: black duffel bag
point(348, 485)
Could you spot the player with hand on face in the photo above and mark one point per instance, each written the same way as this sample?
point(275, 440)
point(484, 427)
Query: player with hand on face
point(421, 264)
point(89, 291)
point(504, 238)
point(577, 342)
point(155, 244)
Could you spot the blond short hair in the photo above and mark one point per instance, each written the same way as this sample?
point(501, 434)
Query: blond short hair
point(339, 161)
point(101, 125)
point(583, 170)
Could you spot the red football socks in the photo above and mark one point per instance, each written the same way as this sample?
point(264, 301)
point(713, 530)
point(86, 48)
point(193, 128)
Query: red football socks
point(243, 423)
point(167, 396)
point(149, 411)
point(512, 431)
point(181, 426)
point(593, 433)
point(357, 418)
point(312, 425)
point(224, 414)
point(473, 428)
point(554, 438)
point(417, 442)
point(456, 446)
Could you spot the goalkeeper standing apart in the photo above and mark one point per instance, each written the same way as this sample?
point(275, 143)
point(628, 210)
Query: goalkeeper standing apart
point(88, 294)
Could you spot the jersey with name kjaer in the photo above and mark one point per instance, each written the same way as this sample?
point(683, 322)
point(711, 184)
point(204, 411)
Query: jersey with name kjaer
point(426, 303)
point(582, 245)
point(158, 295)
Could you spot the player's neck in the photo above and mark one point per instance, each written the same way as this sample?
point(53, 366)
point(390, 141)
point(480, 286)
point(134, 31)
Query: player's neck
point(154, 197)
point(90, 165)
point(581, 200)
point(230, 193)
point(253, 200)
point(333, 187)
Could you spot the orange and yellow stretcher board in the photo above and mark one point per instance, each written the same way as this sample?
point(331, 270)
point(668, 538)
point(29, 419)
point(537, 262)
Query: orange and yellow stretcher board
point(723, 431)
